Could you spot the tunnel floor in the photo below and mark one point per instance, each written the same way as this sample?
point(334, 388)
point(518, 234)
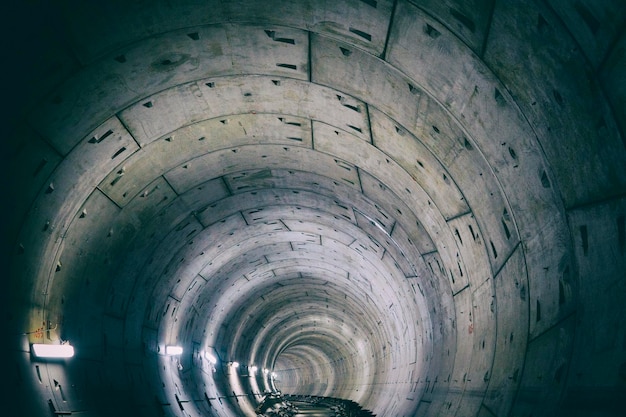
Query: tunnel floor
point(312, 410)
point(313, 406)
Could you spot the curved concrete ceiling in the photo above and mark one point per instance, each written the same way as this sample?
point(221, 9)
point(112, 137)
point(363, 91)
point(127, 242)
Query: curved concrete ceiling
point(415, 205)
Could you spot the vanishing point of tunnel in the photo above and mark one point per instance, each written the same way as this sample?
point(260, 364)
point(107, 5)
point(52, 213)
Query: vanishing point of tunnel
point(413, 206)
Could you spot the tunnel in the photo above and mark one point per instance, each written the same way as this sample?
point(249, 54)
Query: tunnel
point(417, 206)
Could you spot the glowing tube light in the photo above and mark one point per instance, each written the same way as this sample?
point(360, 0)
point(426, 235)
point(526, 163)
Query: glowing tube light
point(253, 370)
point(53, 351)
point(173, 350)
point(211, 358)
point(235, 364)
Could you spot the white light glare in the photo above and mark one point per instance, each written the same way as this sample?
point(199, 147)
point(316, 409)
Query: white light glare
point(211, 358)
point(274, 375)
point(265, 371)
point(235, 364)
point(173, 350)
point(53, 351)
point(253, 370)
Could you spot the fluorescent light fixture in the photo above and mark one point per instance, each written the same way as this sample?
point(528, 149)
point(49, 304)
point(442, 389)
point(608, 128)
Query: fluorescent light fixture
point(234, 364)
point(53, 351)
point(173, 350)
point(211, 358)
point(253, 370)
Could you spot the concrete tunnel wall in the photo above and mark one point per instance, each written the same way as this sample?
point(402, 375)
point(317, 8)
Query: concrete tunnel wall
point(415, 205)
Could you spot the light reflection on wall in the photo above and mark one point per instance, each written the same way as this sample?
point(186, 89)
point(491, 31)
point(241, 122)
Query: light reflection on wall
point(241, 398)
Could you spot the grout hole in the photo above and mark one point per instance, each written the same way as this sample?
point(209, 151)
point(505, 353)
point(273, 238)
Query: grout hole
point(557, 97)
point(362, 34)
point(499, 97)
point(506, 230)
point(431, 31)
point(40, 167)
point(545, 182)
point(116, 154)
point(96, 139)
